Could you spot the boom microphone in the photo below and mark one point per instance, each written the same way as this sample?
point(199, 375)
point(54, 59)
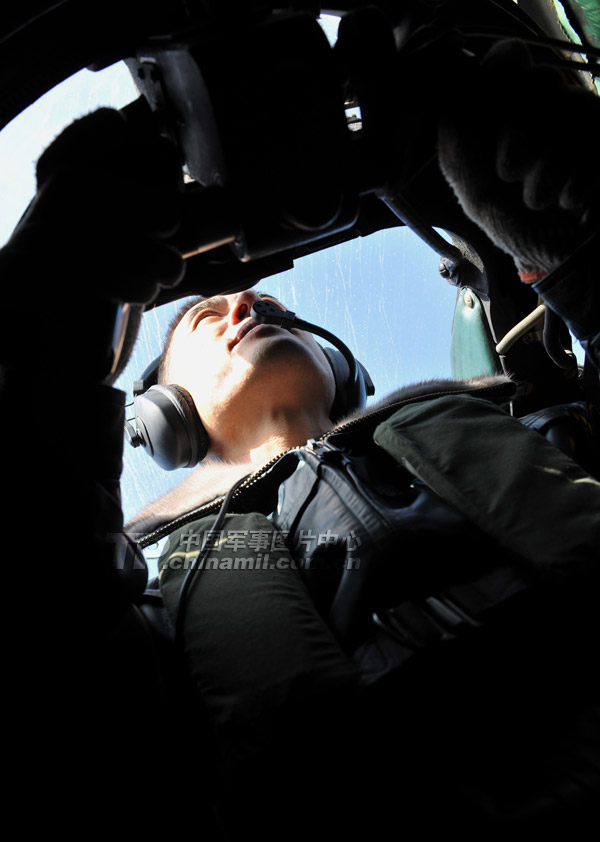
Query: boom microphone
point(266, 312)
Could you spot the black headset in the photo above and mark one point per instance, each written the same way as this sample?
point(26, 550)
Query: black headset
point(167, 424)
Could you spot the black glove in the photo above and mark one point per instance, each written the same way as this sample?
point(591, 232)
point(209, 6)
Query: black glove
point(96, 233)
point(107, 200)
point(518, 145)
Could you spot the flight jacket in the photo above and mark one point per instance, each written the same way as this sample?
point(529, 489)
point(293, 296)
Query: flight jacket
point(324, 575)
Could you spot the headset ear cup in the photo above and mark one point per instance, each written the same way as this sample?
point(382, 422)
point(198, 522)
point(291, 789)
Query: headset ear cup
point(341, 371)
point(348, 395)
point(198, 436)
point(170, 428)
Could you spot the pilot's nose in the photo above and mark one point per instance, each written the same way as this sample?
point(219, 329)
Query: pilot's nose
point(243, 305)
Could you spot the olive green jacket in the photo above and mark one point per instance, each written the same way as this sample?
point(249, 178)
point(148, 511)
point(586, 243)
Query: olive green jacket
point(255, 640)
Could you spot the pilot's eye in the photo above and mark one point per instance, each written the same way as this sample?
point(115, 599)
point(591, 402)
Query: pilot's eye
point(273, 301)
point(203, 314)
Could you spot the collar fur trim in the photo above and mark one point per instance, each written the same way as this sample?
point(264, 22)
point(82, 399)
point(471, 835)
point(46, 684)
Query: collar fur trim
point(214, 477)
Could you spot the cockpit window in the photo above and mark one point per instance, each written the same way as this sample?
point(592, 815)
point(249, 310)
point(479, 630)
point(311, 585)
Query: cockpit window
point(381, 294)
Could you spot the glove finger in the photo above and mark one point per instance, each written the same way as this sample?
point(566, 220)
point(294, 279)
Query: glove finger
point(105, 138)
point(144, 266)
point(543, 184)
point(579, 191)
point(508, 57)
point(99, 151)
point(517, 154)
point(84, 142)
point(153, 208)
point(127, 267)
point(520, 82)
point(75, 202)
point(563, 177)
point(156, 160)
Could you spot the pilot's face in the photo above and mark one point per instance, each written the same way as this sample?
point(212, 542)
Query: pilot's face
point(231, 365)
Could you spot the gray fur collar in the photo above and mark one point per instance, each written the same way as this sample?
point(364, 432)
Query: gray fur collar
point(214, 477)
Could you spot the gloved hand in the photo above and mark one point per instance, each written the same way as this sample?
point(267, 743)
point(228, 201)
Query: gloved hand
point(96, 233)
point(519, 148)
point(107, 199)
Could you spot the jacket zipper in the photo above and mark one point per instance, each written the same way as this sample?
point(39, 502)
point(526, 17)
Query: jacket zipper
point(251, 479)
point(344, 464)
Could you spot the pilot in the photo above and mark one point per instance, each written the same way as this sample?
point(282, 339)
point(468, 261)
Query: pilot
point(278, 633)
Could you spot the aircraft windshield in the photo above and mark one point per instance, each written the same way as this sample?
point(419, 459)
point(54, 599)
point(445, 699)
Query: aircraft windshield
point(382, 294)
